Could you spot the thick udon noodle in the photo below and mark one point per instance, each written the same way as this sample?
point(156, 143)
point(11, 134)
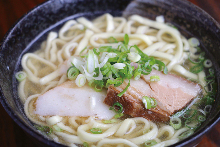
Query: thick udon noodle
point(154, 38)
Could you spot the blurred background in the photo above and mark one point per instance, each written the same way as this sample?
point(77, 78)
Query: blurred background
point(11, 135)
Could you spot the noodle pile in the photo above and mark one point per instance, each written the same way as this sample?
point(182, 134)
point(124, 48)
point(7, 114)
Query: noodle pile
point(45, 71)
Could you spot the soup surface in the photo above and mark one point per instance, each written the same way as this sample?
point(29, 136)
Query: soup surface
point(117, 82)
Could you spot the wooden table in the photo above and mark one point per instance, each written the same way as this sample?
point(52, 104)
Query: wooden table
point(11, 135)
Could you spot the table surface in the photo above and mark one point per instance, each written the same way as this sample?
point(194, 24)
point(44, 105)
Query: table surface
point(11, 135)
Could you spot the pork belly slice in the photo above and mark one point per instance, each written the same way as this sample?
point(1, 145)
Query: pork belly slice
point(172, 93)
point(68, 99)
point(132, 103)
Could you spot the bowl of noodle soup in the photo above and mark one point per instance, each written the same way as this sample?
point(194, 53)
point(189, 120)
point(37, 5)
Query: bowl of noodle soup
point(57, 32)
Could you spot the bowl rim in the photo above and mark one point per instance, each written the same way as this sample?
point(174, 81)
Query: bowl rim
point(43, 139)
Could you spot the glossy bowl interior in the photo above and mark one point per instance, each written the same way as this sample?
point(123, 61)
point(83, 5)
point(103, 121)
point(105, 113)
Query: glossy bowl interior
point(28, 33)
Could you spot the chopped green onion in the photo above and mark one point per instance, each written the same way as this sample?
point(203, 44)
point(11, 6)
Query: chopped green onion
point(194, 62)
point(126, 88)
point(201, 118)
point(154, 78)
point(80, 80)
point(44, 129)
point(96, 72)
point(147, 102)
point(208, 99)
point(96, 52)
point(192, 123)
point(189, 113)
point(72, 73)
point(153, 103)
point(143, 55)
point(106, 65)
point(56, 128)
point(207, 108)
point(96, 130)
point(179, 113)
point(112, 40)
point(175, 122)
point(118, 115)
point(186, 134)
point(109, 121)
point(119, 65)
point(193, 42)
point(97, 84)
point(165, 70)
point(134, 57)
point(207, 63)
point(150, 143)
point(117, 104)
point(115, 71)
point(202, 56)
point(126, 39)
point(90, 62)
point(117, 82)
point(85, 144)
point(20, 76)
point(137, 72)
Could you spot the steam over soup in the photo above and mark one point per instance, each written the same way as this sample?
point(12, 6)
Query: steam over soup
point(117, 82)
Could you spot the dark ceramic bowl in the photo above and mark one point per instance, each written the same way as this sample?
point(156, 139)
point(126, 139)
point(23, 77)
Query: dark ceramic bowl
point(28, 33)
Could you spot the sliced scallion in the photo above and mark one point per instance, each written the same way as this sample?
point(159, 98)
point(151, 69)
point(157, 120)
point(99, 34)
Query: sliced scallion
point(147, 102)
point(118, 105)
point(126, 88)
point(193, 42)
point(208, 108)
point(175, 122)
point(119, 65)
point(20, 76)
point(112, 40)
point(201, 118)
point(154, 78)
point(108, 65)
point(189, 113)
point(72, 73)
point(134, 57)
point(126, 39)
point(85, 144)
point(137, 72)
point(207, 63)
point(194, 62)
point(80, 80)
point(90, 62)
point(192, 123)
point(153, 103)
point(96, 130)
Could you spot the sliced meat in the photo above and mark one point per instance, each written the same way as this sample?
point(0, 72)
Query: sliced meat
point(70, 100)
point(170, 93)
point(131, 100)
